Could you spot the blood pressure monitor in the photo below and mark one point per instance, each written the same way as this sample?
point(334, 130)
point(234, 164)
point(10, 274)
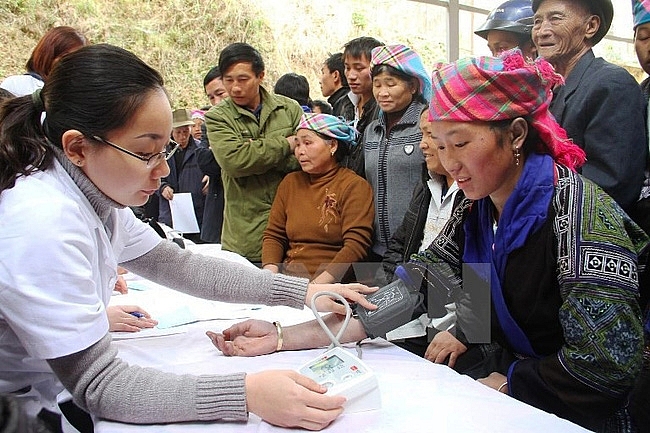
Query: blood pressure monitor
point(344, 374)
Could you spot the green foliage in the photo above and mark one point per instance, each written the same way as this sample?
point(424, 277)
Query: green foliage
point(17, 6)
point(182, 39)
point(359, 20)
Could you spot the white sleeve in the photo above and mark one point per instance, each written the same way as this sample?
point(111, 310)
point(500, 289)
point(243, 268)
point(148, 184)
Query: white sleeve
point(49, 292)
point(139, 238)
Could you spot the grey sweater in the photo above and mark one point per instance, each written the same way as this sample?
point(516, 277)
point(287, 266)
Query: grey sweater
point(109, 388)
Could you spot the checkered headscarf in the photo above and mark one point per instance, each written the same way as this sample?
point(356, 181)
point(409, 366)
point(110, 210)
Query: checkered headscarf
point(500, 88)
point(328, 125)
point(641, 12)
point(405, 60)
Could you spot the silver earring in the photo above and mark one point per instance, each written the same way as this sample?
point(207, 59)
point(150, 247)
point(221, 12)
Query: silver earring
point(517, 154)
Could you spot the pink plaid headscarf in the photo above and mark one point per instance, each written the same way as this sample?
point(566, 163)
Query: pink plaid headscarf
point(406, 60)
point(500, 88)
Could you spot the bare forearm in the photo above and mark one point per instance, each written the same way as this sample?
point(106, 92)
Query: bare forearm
point(309, 335)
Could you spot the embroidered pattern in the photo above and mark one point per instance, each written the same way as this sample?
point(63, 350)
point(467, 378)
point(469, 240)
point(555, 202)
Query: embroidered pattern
point(597, 272)
point(329, 212)
point(597, 247)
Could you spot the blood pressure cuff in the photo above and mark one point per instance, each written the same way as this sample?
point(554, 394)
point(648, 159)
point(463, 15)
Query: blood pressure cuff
point(395, 305)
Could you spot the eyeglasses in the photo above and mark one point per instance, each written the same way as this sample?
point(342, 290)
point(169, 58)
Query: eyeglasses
point(151, 161)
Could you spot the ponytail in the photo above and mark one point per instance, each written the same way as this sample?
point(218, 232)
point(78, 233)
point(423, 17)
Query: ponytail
point(23, 148)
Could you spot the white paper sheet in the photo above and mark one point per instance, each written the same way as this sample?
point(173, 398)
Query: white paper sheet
point(183, 217)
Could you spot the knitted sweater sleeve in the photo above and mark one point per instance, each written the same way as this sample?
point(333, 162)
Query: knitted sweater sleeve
point(109, 388)
point(217, 279)
point(275, 241)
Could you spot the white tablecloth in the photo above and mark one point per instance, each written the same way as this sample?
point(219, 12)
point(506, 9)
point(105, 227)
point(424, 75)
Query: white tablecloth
point(417, 395)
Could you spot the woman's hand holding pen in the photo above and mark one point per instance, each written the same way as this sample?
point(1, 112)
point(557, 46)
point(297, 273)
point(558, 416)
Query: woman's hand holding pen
point(128, 318)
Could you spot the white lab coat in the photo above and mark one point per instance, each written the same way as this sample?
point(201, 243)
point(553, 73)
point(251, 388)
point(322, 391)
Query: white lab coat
point(58, 267)
point(21, 85)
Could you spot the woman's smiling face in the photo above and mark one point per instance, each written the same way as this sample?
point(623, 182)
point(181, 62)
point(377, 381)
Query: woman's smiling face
point(479, 157)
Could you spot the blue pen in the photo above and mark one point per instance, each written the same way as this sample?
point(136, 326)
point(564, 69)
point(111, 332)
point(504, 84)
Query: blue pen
point(137, 314)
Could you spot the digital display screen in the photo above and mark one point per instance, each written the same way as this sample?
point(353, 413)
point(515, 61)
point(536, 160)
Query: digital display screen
point(326, 365)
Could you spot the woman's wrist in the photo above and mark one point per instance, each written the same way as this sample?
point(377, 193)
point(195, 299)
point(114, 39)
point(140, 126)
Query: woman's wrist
point(278, 328)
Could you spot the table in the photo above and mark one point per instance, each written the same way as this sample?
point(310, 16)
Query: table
point(417, 395)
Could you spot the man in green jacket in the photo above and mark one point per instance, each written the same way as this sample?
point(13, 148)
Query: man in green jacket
point(251, 135)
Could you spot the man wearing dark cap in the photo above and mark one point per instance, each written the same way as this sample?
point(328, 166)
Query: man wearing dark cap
point(600, 105)
point(508, 26)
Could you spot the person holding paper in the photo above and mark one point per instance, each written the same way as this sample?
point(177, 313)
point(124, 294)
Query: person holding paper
point(65, 187)
point(185, 176)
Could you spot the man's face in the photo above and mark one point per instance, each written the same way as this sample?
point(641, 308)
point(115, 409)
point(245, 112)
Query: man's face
point(327, 81)
point(216, 91)
point(561, 29)
point(243, 85)
point(642, 46)
point(357, 71)
point(499, 41)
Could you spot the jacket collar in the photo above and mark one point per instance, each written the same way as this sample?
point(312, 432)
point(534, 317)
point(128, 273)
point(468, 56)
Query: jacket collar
point(410, 117)
point(269, 103)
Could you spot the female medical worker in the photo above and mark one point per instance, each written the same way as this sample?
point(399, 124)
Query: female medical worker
point(65, 184)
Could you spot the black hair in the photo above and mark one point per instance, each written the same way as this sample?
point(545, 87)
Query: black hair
point(335, 63)
point(240, 52)
point(400, 75)
point(324, 106)
point(94, 90)
point(212, 74)
point(293, 86)
point(361, 46)
point(5, 94)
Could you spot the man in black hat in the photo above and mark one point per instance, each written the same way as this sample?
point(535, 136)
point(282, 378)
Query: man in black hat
point(509, 26)
point(600, 105)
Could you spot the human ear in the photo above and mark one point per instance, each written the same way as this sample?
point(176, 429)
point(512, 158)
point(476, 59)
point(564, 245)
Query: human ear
point(337, 76)
point(518, 132)
point(75, 146)
point(592, 25)
point(415, 86)
point(334, 145)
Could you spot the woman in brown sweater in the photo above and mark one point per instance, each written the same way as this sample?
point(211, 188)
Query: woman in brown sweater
point(321, 218)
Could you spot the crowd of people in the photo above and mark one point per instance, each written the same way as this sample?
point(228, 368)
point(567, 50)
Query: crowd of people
point(511, 192)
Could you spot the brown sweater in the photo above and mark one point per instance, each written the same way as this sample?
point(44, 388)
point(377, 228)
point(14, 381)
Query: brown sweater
point(319, 222)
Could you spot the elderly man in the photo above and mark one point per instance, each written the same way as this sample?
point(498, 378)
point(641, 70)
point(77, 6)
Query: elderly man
point(600, 105)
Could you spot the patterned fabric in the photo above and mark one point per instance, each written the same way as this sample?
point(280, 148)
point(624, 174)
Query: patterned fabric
point(501, 88)
point(405, 60)
point(641, 12)
point(597, 263)
point(597, 247)
point(328, 125)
